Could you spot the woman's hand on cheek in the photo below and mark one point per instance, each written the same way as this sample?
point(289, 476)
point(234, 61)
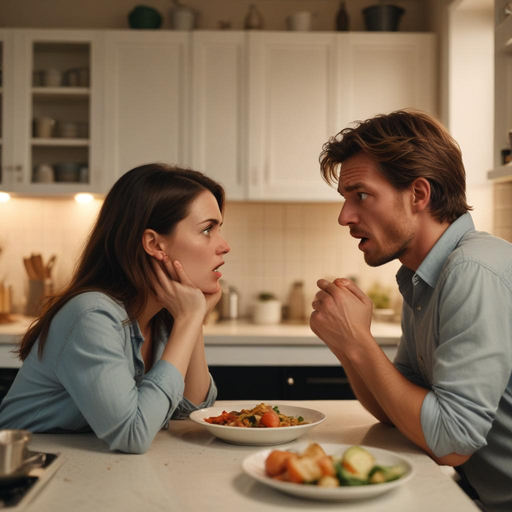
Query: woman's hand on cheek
point(180, 297)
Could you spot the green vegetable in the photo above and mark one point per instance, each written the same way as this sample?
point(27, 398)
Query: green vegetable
point(276, 410)
point(301, 419)
point(382, 474)
point(346, 477)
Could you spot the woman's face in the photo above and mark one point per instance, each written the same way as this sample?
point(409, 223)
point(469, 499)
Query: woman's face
point(197, 244)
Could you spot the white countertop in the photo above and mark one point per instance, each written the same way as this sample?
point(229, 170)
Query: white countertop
point(234, 332)
point(187, 470)
point(241, 343)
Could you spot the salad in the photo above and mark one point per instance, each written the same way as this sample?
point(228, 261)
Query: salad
point(356, 467)
point(261, 416)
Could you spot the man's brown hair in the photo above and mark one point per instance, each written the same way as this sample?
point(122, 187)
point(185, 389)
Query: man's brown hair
point(407, 144)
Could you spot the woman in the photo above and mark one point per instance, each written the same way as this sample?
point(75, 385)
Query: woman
point(120, 350)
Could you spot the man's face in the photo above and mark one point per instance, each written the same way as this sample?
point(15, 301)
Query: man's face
point(374, 211)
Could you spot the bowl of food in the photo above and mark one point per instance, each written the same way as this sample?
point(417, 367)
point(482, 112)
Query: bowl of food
point(259, 425)
point(330, 472)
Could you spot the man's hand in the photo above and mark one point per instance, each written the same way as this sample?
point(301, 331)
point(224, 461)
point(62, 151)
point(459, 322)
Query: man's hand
point(342, 314)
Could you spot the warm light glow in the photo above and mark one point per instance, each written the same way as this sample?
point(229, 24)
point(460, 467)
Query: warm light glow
point(84, 198)
point(4, 197)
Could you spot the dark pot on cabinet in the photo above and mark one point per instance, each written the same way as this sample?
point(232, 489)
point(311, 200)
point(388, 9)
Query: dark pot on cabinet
point(383, 17)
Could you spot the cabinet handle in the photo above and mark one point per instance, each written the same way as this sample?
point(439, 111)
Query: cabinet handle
point(327, 380)
point(290, 381)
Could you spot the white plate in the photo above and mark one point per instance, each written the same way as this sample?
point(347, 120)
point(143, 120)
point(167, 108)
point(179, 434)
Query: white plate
point(254, 466)
point(258, 436)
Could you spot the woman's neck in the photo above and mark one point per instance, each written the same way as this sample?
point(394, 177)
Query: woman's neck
point(151, 309)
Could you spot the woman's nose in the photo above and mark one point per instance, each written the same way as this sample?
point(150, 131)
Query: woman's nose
point(224, 247)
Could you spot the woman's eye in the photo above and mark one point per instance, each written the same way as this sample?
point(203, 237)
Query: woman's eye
point(362, 196)
point(207, 230)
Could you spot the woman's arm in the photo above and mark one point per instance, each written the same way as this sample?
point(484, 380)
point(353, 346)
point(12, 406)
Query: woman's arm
point(197, 380)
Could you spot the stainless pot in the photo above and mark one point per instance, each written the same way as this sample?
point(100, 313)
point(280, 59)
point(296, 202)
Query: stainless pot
point(13, 450)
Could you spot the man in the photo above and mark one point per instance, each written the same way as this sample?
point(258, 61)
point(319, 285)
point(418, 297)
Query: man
point(449, 389)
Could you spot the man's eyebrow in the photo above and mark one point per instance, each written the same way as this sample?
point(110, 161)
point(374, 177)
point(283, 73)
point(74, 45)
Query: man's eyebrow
point(350, 188)
point(211, 221)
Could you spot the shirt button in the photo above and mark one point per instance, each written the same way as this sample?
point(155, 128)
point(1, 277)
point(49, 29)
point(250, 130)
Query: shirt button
point(420, 359)
point(418, 308)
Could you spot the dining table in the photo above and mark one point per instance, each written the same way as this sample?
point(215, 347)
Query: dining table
point(188, 469)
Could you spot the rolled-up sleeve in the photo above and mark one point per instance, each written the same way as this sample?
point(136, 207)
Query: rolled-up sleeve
point(185, 407)
point(472, 362)
point(95, 371)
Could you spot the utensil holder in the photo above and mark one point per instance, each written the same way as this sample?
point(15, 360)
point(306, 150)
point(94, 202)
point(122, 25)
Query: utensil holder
point(37, 290)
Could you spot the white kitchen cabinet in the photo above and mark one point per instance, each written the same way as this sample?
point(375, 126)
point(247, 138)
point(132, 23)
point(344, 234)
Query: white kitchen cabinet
point(28, 54)
point(219, 97)
point(6, 109)
point(293, 110)
point(146, 99)
point(305, 88)
point(379, 73)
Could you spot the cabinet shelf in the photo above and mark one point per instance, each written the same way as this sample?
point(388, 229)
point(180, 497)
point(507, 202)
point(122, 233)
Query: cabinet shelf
point(61, 91)
point(60, 142)
point(502, 173)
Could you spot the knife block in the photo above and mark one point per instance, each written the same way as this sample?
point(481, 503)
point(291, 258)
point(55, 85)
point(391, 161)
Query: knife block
point(37, 291)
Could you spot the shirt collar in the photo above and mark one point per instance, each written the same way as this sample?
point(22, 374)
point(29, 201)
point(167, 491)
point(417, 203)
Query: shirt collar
point(431, 266)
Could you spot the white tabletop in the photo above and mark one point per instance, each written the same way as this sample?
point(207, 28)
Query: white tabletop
point(188, 470)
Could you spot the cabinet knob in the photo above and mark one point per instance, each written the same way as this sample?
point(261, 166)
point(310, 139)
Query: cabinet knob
point(18, 168)
point(290, 381)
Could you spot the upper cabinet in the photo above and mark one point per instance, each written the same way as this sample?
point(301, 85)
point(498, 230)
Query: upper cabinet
point(293, 110)
point(51, 111)
point(6, 109)
point(250, 109)
point(147, 94)
point(379, 73)
point(219, 98)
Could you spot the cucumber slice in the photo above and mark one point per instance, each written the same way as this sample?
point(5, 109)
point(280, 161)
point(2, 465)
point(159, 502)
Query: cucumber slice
point(358, 461)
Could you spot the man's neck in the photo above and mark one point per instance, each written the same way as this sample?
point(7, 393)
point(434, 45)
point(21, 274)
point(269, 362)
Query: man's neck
point(428, 232)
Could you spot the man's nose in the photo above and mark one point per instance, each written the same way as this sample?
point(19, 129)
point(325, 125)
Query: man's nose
point(347, 215)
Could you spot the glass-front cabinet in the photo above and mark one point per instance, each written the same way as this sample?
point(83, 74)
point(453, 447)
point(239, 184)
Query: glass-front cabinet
point(56, 112)
point(6, 106)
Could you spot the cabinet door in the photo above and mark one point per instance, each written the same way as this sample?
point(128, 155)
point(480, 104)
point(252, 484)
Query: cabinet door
point(292, 113)
point(70, 143)
point(219, 108)
point(379, 73)
point(6, 111)
point(146, 99)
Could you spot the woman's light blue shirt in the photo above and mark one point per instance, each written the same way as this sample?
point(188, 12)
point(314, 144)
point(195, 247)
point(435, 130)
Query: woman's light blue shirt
point(91, 376)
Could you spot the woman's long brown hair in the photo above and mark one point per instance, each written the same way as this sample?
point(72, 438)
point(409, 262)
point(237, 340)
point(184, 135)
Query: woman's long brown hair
point(153, 196)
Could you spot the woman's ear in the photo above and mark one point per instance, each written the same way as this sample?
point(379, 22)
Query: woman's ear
point(420, 194)
point(151, 243)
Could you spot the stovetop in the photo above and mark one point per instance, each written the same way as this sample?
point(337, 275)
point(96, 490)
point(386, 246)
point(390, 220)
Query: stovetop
point(17, 492)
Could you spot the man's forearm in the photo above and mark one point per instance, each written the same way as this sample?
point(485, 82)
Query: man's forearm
point(400, 399)
point(360, 389)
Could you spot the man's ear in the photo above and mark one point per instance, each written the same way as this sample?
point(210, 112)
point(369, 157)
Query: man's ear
point(151, 241)
point(420, 194)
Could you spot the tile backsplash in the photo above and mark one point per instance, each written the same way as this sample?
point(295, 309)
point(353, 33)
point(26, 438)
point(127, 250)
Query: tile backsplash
point(273, 245)
point(503, 210)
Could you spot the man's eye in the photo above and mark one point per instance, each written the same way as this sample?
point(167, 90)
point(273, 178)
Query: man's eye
point(362, 196)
